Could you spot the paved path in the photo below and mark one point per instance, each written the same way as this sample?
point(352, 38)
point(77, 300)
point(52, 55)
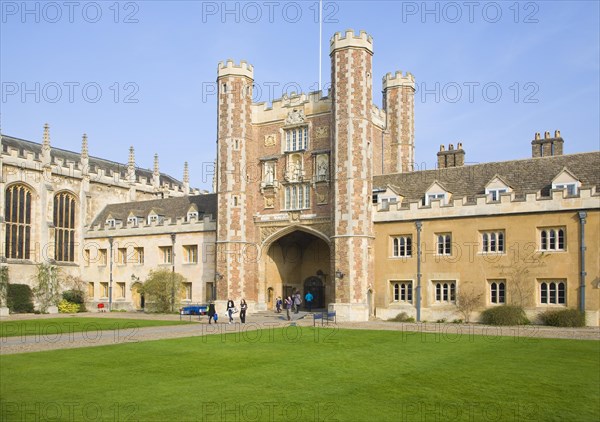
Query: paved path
point(262, 321)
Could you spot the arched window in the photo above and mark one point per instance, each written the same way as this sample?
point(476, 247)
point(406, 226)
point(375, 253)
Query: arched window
point(17, 213)
point(64, 224)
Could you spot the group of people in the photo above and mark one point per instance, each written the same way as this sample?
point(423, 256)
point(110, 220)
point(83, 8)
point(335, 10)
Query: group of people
point(292, 303)
point(231, 309)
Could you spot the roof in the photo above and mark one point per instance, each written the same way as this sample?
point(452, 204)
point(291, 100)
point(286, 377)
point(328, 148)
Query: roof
point(95, 163)
point(175, 207)
point(523, 176)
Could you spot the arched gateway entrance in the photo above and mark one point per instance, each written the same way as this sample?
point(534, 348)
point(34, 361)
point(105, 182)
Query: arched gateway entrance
point(299, 261)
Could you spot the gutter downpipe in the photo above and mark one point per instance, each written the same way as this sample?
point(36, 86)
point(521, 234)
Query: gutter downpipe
point(582, 273)
point(418, 224)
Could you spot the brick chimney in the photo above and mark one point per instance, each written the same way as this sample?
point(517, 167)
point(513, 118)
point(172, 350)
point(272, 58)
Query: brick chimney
point(452, 157)
point(548, 146)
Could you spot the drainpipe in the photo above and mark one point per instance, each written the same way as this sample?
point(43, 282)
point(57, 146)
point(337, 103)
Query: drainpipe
point(582, 273)
point(110, 242)
point(418, 224)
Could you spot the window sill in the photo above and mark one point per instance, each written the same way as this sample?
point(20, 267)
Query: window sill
point(551, 250)
point(400, 257)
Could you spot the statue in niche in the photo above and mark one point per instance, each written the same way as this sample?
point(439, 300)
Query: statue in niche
point(269, 174)
point(322, 168)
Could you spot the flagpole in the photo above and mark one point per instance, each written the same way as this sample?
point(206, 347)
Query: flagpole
point(320, 42)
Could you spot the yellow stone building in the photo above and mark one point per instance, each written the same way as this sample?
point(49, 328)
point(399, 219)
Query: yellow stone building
point(315, 193)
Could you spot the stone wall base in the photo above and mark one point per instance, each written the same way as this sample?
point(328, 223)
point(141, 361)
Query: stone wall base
point(350, 311)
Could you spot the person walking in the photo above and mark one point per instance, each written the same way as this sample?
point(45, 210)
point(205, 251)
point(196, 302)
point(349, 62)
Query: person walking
point(288, 306)
point(278, 303)
point(211, 313)
point(230, 308)
point(297, 302)
point(309, 298)
point(243, 309)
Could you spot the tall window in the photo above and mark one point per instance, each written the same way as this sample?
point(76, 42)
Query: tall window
point(138, 255)
point(191, 254)
point(17, 213)
point(402, 246)
point(445, 291)
point(492, 242)
point(497, 292)
point(122, 256)
point(297, 197)
point(64, 224)
point(167, 254)
point(402, 291)
point(296, 139)
point(552, 239)
point(444, 244)
point(553, 293)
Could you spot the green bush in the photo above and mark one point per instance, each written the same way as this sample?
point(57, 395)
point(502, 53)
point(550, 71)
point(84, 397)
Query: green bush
point(75, 296)
point(504, 315)
point(19, 298)
point(563, 318)
point(402, 317)
point(66, 307)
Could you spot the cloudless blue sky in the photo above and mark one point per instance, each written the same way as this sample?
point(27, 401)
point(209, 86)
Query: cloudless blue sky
point(531, 66)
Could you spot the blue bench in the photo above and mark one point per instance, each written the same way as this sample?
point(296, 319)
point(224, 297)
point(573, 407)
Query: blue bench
point(193, 310)
point(324, 317)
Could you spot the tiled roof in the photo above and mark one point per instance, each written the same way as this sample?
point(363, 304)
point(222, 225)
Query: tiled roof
point(95, 163)
point(523, 176)
point(175, 207)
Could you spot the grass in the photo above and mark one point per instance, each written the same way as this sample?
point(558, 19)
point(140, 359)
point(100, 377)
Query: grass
point(299, 374)
point(56, 326)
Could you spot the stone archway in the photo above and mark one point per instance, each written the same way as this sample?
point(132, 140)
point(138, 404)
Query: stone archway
point(295, 257)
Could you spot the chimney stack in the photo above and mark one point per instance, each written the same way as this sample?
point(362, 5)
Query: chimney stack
point(548, 146)
point(451, 157)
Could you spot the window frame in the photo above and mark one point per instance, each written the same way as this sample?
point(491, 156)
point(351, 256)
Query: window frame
point(402, 246)
point(444, 292)
point(18, 221)
point(401, 291)
point(552, 292)
point(443, 244)
point(552, 239)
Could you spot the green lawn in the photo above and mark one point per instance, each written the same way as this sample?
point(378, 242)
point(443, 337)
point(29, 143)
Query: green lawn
point(56, 326)
point(307, 375)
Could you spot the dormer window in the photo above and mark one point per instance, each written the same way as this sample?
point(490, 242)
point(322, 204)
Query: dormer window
point(435, 196)
point(192, 215)
point(436, 192)
point(386, 201)
point(494, 194)
point(155, 218)
point(133, 221)
point(570, 187)
point(566, 180)
point(111, 223)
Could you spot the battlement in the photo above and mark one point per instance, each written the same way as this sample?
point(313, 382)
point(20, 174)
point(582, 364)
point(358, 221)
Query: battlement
point(168, 225)
point(350, 39)
point(398, 79)
point(509, 203)
point(229, 68)
point(312, 103)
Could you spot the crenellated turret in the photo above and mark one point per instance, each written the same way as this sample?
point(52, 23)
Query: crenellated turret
point(398, 102)
point(235, 228)
point(351, 67)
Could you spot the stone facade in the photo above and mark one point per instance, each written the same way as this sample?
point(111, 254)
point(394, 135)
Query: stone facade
point(318, 193)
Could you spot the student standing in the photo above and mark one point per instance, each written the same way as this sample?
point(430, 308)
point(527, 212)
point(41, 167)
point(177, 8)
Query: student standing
point(230, 308)
point(243, 308)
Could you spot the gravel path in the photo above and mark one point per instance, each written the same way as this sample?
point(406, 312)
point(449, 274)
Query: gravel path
point(264, 321)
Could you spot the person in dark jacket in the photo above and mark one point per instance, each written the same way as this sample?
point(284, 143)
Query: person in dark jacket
point(243, 309)
point(211, 313)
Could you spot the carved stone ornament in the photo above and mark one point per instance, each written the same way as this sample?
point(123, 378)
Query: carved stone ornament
point(295, 117)
point(269, 202)
point(322, 132)
point(270, 140)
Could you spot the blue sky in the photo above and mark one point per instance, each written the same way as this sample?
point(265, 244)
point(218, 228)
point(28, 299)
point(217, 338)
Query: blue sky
point(489, 74)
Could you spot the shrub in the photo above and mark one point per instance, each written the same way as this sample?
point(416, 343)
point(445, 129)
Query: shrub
point(75, 296)
point(163, 288)
point(441, 320)
point(19, 298)
point(66, 307)
point(402, 317)
point(504, 315)
point(563, 318)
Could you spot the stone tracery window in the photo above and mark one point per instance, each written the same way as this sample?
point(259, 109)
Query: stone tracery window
point(64, 223)
point(17, 214)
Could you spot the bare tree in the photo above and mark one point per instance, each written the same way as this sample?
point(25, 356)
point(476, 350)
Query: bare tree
point(467, 301)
